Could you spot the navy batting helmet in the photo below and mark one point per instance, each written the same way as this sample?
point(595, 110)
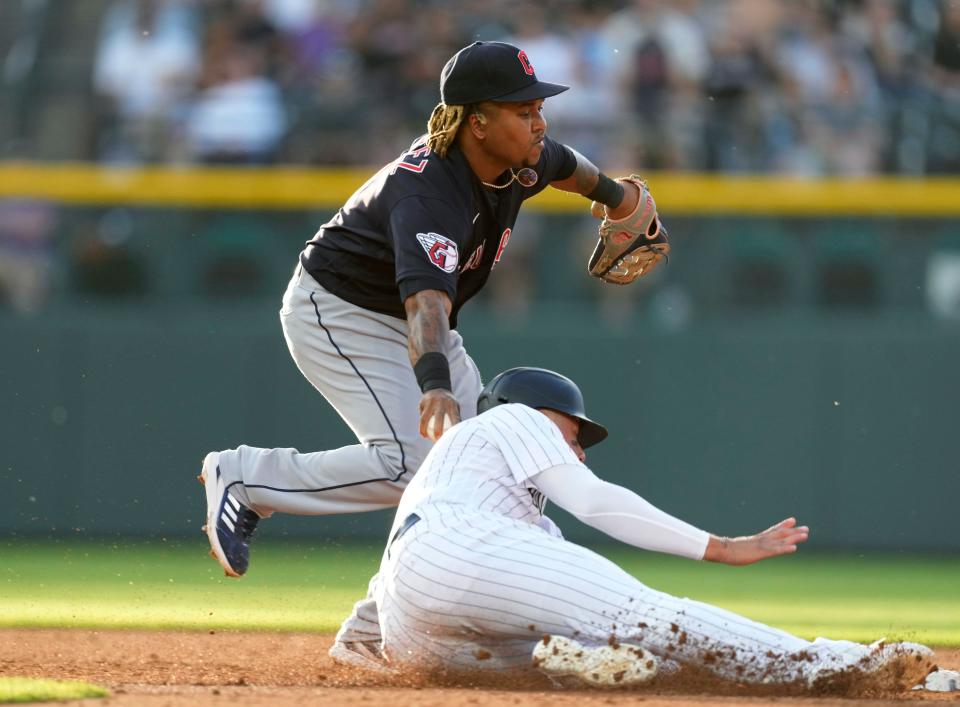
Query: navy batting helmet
point(540, 388)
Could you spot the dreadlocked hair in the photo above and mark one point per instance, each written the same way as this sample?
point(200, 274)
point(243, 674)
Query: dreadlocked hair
point(442, 127)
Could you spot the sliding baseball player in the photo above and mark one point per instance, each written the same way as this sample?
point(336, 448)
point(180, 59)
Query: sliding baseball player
point(474, 579)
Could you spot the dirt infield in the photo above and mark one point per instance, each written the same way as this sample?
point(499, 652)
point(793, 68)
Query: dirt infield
point(175, 669)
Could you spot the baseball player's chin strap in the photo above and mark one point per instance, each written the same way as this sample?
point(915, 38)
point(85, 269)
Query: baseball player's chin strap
point(619, 512)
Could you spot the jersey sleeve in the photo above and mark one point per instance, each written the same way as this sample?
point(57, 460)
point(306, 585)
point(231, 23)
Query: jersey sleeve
point(428, 237)
point(619, 512)
point(528, 440)
point(557, 161)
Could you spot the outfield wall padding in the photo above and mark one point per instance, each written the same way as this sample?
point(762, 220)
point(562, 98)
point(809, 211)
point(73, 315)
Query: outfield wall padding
point(850, 422)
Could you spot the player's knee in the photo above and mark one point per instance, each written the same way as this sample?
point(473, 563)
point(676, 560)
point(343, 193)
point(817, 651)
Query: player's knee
point(399, 462)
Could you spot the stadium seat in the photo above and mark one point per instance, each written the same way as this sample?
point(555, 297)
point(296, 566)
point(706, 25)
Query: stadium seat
point(847, 266)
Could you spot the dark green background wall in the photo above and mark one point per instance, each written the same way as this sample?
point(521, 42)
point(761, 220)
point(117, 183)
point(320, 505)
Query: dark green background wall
point(731, 415)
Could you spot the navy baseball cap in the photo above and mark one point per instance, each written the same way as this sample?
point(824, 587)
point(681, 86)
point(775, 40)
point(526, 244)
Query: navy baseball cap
point(492, 71)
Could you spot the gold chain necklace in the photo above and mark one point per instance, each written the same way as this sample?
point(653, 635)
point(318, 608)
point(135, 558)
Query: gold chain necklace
point(526, 176)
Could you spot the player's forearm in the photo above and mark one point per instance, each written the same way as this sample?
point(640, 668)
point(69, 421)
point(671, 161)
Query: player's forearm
point(587, 181)
point(428, 320)
point(584, 177)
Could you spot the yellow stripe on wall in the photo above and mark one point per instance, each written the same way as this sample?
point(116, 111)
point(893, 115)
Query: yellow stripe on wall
point(303, 188)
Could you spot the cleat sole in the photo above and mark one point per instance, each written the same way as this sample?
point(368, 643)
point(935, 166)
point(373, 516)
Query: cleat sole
point(609, 666)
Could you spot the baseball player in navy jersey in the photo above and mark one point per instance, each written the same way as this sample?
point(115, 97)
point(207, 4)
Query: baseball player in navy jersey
point(370, 314)
point(473, 580)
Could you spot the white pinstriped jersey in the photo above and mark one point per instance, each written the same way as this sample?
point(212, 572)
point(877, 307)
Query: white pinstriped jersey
point(485, 464)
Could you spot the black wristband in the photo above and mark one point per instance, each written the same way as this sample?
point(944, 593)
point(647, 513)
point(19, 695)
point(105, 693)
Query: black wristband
point(607, 192)
point(433, 371)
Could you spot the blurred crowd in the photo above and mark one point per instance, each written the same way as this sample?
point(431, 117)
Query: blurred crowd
point(809, 87)
point(798, 87)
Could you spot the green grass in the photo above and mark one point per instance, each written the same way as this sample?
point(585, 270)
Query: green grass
point(21, 690)
point(177, 585)
point(296, 587)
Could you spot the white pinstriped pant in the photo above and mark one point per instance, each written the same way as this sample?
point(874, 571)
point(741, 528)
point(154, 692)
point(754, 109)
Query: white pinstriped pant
point(464, 590)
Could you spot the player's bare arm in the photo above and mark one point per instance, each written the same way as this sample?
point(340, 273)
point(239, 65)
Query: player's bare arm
point(428, 313)
point(584, 181)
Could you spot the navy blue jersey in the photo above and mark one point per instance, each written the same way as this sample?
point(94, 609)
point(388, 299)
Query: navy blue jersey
point(423, 222)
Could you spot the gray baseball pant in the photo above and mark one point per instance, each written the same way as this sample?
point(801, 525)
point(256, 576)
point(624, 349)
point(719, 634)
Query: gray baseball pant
point(358, 360)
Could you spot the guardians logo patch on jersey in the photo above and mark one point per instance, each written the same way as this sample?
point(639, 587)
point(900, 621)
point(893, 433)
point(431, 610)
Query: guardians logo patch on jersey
point(441, 250)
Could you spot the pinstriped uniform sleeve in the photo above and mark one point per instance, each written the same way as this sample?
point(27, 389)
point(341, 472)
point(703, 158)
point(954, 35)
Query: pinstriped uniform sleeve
point(528, 440)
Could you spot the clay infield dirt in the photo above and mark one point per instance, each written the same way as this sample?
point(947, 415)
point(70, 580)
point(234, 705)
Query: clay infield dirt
point(174, 669)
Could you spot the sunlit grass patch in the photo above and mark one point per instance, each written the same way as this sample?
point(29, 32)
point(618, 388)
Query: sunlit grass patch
point(20, 690)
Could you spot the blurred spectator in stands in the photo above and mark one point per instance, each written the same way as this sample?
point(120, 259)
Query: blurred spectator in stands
point(597, 108)
point(146, 61)
point(944, 147)
point(386, 38)
point(324, 84)
point(805, 87)
point(315, 35)
point(440, 37)
point(238, 115)
point(844, 126)
point(806, 76)
point(104, 261)
point(890, 47)
point(946, 49)
point(488, 20)
point(664, 61)
point(26, 253)
point(399, 49)
point(550, 53)
point(746, 118)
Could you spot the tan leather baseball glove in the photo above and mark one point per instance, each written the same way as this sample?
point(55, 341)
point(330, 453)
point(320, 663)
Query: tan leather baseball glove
point(632, 246)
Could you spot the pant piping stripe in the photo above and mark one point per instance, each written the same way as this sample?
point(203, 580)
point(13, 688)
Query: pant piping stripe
point(403, 458)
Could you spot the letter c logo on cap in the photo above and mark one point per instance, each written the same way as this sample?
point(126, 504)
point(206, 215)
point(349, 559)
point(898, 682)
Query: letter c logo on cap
point(525, 62)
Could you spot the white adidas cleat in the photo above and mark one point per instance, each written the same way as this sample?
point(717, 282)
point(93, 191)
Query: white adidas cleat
point(230, 524)
point(942, 680)
point(367, 655)
point(615, 665)
point(898, 666)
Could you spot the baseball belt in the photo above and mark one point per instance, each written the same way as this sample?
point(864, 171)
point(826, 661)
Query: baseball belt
point(408, 522)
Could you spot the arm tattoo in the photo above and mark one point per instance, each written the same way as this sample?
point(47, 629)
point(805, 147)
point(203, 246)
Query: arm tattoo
point(585, 175)
point(429, 324)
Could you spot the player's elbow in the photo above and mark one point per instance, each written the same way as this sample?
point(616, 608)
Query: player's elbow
point(427, 302)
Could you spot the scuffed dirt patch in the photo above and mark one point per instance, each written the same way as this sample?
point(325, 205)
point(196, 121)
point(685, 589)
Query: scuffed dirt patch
point(280, 669)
